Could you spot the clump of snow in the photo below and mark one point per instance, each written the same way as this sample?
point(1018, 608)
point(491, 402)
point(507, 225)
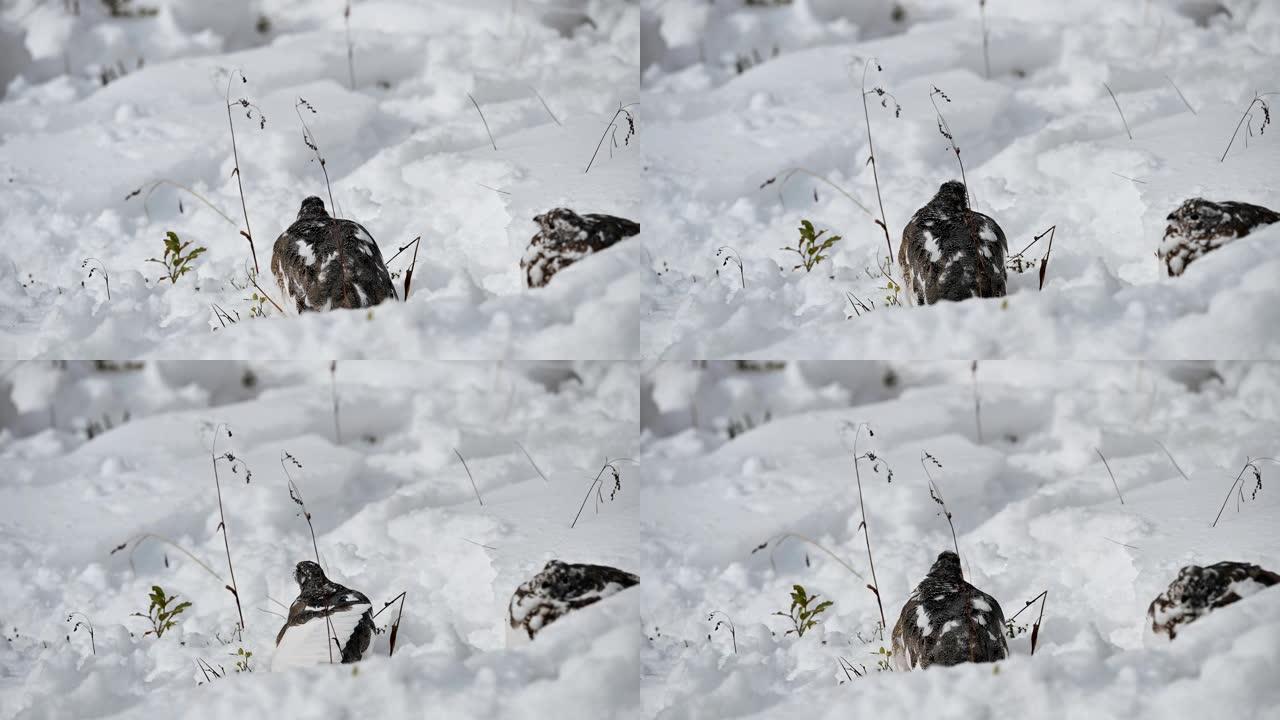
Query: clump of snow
point(1042, 146)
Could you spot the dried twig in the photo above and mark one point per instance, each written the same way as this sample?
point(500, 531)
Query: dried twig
point(1043, 597)
point(884, 96)
point(862, 506)
point(613, 124)
point(222, 517)
point(1249, 464)
point(235, 154)
point(1180, 95)
point(935, 493)
point(1266, 120)
point(1113, 475)
point(774, 542)
point(531, 462)
point(295, 495)
point(1117, 102)
point(786, 175)
point(486, 122)
point(469, 477)
point(598, 486)
point(545, 106)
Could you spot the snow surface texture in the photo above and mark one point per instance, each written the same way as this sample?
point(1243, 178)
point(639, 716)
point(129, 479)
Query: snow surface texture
point(393, 511)
point(1034, 509)
point(406, 151)
point(738, 94)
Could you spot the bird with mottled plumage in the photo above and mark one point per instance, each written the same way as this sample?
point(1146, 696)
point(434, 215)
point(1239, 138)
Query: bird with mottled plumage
point(322, 263)
point(947, 621)
point(559, 589)
point(1200, 226)
point(565, 237)
point(327, 623)
point(950, 252)
point(1198, 591)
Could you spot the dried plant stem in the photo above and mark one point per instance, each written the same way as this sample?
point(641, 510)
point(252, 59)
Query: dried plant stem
point(545, 106)
point(866, 533)
point(1257, 99)
point(1180, 95)
point(935, 492)
point(310, 139)
point(265, 295)
point(598, 485)
point(102, 269)
point(613, 122)
point(1249, 463)
point(789, 172)
point(1113, 475)
point(486, 122)
point(408, 274)
point(395, 626)
point(1117, 102)
point(1170, 456)
point(295, 494)
point(235, 154)
point(777, 540)
point(875, 176)
point(222, 524)
point(469, 477)
point(531, 462)
point(945, 129)
point(138, 540)
point(164, 181)
point(1043, 597)
point(733, 632)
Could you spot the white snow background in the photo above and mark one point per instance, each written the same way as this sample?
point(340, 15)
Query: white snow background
point(1042, 143)
point(1034, 509)
point(406, 151)
point(393, 511)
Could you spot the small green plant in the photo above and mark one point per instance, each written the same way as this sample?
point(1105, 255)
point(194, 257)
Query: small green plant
point(803, 617)
point(883, 656)
point(810, 247)
point(162, 616)
point(175, 263)
point(242, 657)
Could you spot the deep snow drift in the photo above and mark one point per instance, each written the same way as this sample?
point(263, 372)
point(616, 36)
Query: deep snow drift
point(1034, 509)
point(407, 153)
point(393, 511)
point(736, 95)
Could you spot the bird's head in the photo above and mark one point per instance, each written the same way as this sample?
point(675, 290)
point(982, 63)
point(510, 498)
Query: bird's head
point(947, 566)
point(308, 572)
point(312, 207)
point(952, 193)
point(1195, 219)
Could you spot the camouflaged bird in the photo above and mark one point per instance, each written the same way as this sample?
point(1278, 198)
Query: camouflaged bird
point(566, 237)
point(559, 589)
point(322, 263)
point(947, 621)
point(1200, 226)
point(1199, 590)
point(328, 623)
point(950, 252)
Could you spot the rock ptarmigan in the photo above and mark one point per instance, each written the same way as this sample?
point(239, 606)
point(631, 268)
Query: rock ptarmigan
point(565, 237)
point(1199, 590)
point(322, 263)
point(559, 589)
point(1200, 226)
point(328, 623)
point(950, 252)
point(947, 621)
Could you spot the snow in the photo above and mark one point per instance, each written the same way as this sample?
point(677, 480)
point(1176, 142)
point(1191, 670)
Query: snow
point(393, 511)
point(405, 150)
point(1033, 507)
point(738, 94)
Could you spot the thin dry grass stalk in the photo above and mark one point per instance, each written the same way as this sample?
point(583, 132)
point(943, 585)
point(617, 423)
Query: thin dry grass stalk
point(469, 476)
point(1113, 475)
point(1117, 102)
